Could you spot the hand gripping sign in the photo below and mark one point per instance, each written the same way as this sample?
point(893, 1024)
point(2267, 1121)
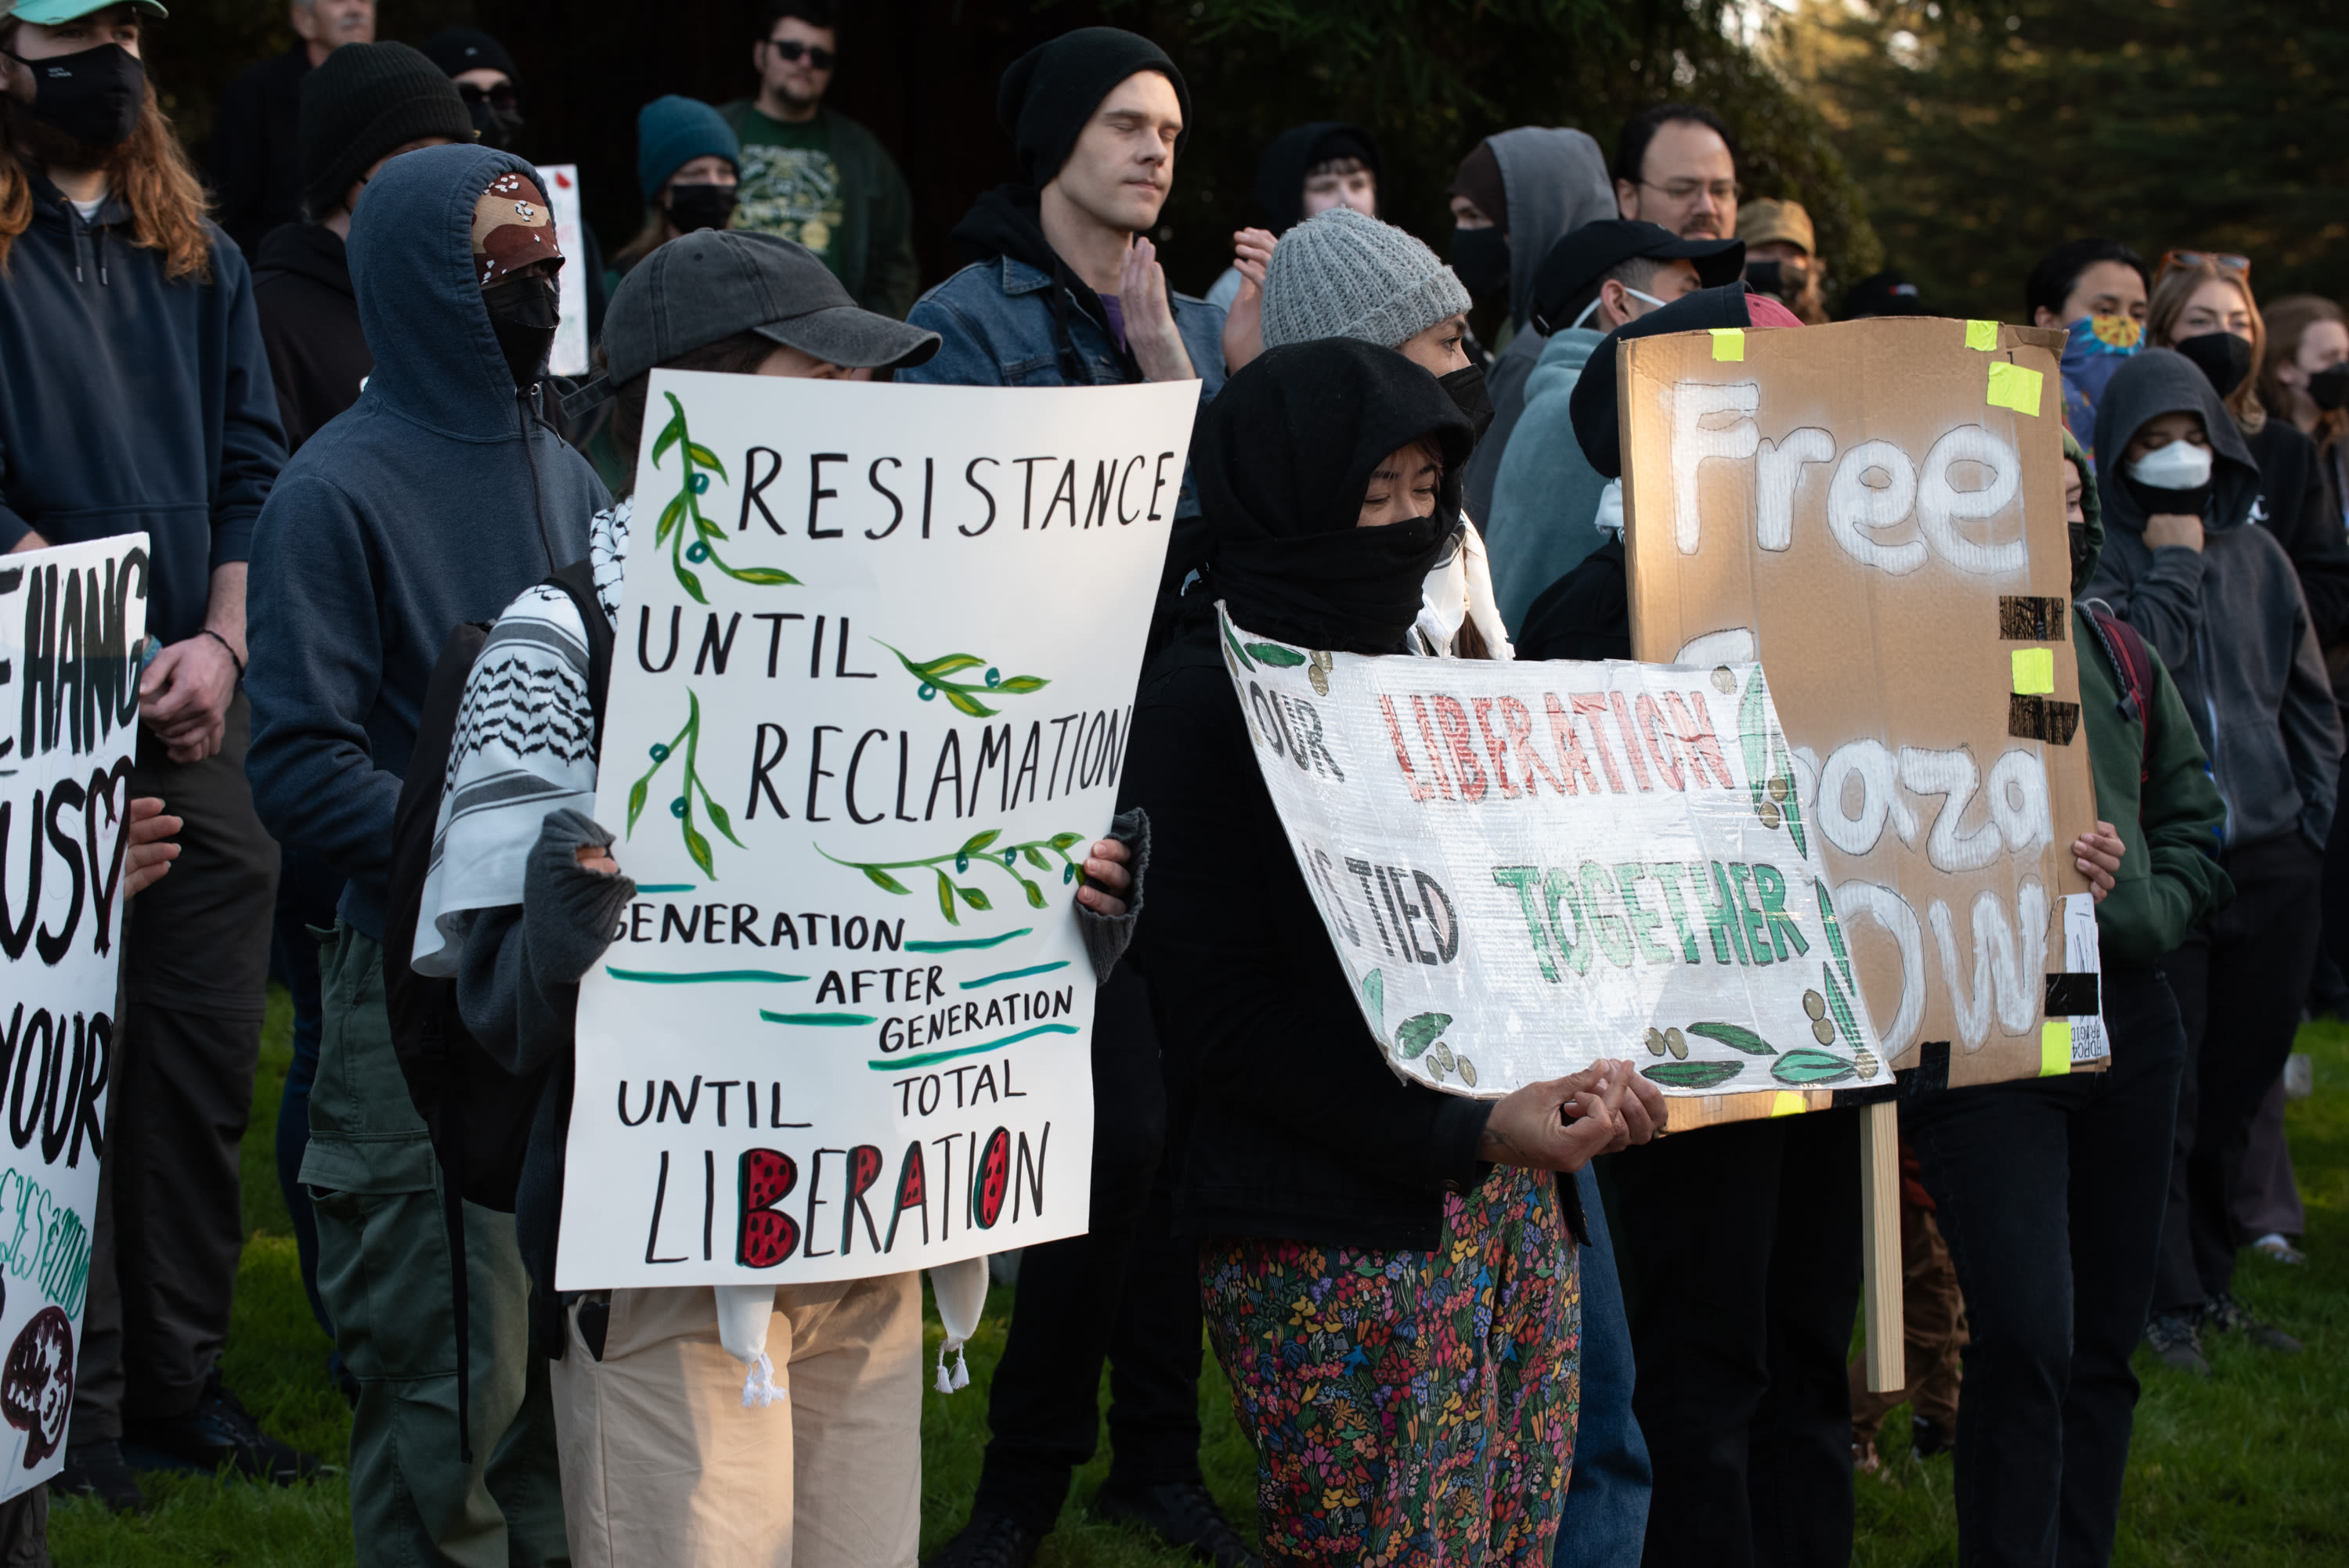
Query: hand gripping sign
point(1524, 867)
point(873, 677)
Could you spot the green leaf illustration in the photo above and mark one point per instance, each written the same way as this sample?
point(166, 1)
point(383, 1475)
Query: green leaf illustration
point(1692, 1075)
point(637, 801)
point(669, 514)
point(717, 819)
point(1810, 1067)
point(978, 841)
point(883, 880)
point(1418, 1032)
point(1035, 894)
point(692, 585)
point(671, 433)
point(975, 897)
point(762, 576)
point(1374, 991)
point(1238, 652)
point(1735, 1038)
point(1835, 930)
point(966, 703)
point(984, 848)
point(1021, 686)
point(707, 458)
point(1276, 655)
point(1845, 1023)
point(1036, 858)
point(950, 664)
point(946, 899)
point(1063, 841)
point(699, 848)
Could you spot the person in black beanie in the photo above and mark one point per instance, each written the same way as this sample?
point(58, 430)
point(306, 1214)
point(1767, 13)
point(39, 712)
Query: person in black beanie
point(485, 78)
point(1063, 288)
point(255, 167)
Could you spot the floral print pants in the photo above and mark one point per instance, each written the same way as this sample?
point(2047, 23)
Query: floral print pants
point(1409, 1408)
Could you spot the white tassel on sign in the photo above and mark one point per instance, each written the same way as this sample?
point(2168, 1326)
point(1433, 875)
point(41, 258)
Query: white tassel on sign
point(961, 1292)
point(759, 1388)
point(743, 1312)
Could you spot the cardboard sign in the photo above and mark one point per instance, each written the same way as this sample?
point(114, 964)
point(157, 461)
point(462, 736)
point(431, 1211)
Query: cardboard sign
point(869, 705)
point(569, 355)
point(1875, 511)
point(1525, 867)
point(71, 620)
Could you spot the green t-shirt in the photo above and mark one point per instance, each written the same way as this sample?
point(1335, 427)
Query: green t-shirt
point(791, 184)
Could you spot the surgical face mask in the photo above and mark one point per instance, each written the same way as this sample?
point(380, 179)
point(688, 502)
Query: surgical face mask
point(1480, 259)
point(1465, 387)
point(523, 313)
point(2329, 389)
point(2179, 466)
point(94, 97)
point(1592, 308)
point(694, 207)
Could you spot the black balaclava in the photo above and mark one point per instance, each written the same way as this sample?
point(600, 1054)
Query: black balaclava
point(1598, 425)
point(2224, 357)
point(94, 97)
point(1480, 257)
point(1281, 173)
point(1282, 461)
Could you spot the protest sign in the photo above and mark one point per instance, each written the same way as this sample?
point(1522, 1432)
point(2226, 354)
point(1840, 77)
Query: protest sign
point(569, 354)
point(874, 674)
point(1525, 867)
point(71, 620)
point(1875, 511)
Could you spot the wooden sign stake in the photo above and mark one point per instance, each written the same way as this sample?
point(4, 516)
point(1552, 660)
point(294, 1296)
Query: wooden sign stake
point(1879, 1233)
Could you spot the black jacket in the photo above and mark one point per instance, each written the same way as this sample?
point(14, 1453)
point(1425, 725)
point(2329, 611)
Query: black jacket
point(310, 325)
point(257, 155)
point(132, 401)
point(1585, 614)
point(1299, 1130)
point(2292, 507)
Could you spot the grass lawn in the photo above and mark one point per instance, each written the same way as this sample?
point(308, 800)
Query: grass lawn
point(2246, 1469)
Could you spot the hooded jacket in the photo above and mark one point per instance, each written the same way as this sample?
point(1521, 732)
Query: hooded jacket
point(436, 499)
point(129, 400)
point(1554, 181)
point(1280, 182)
point(310, 323)
point(2227, 620)
point(1545, 493)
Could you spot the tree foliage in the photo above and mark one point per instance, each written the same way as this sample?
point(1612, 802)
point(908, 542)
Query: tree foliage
point(1985, 132)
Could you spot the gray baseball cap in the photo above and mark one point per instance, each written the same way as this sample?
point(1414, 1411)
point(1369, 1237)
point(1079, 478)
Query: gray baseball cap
point(715, 283)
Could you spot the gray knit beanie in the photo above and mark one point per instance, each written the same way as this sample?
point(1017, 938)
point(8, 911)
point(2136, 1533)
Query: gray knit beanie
point(1340, 274)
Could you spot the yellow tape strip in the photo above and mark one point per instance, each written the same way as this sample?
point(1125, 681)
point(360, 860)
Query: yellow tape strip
point(2015, 386)
point(1982, 334)
point(1729, 343)
point(2055, 1048)
point(1786, 1102)
point(2035, 672)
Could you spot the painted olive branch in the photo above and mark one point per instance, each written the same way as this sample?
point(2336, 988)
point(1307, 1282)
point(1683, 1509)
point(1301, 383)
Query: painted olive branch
point(980, 847)
point(932, 673)
point(681, 808)
point(686, 507)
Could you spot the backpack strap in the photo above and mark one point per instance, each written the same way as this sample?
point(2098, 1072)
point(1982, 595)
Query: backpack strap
point(2133, 661)
point(578, 580)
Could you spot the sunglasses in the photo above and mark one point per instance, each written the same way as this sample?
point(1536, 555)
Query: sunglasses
point(2226, 261)
point(795, 51)
point(501, 96)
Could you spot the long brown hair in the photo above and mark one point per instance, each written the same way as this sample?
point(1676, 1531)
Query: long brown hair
point(2289, 320)
point(739, 354)
point(150, 173)
point(2171, 290)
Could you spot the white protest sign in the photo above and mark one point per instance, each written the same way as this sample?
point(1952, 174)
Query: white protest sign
point(569, 355)
point(70, 618)
point(1525, 867)
point(869, 705)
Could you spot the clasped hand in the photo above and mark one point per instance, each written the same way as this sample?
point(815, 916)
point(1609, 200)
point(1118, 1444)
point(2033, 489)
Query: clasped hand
point(1564, 1123)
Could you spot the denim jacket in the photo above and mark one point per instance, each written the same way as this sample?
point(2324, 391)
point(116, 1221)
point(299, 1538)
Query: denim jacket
point(997, 319)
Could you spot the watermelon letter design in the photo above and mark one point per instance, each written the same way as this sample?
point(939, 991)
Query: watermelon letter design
point(767, 1234)
point(994, 1177)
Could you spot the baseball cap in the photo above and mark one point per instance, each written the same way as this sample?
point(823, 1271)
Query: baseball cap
point(1586, 254)
point(49, 13)
point(1784, 223)
point(715, 283)
point(1881, 294)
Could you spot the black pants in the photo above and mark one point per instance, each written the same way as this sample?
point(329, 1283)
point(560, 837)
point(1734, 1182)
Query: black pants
point(171, 1223)
point(1127, 1289)
point(1740, 1248)
point(2238, 983)
point(2051, 1193)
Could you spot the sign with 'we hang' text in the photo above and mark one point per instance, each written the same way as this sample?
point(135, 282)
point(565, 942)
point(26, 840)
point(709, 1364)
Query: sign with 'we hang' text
point(869, 705)
point(71, 622)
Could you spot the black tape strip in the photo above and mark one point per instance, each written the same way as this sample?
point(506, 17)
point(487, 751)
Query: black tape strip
point(2072, 996)
point(1868, 1095)
point(2023, 618)
point(2041, 718)
point(1931, 1073)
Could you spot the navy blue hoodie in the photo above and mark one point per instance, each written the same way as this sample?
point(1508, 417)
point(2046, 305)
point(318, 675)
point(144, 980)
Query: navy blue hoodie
point(421, 506)
point(130, 401)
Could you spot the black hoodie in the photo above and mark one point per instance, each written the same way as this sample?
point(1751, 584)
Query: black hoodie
point(310, 323)
point(2229, 620)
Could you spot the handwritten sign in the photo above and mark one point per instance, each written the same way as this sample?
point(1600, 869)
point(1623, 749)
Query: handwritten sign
point(71, 620)
point(569, 354)
point(1524, 867)
point(869, 705)
point(1874, 513)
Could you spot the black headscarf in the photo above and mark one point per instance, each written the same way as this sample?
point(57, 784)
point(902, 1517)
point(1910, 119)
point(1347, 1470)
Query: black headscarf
point(1598, 425)
point(1051, 92)
point(1282, 461)
point(1280, 175)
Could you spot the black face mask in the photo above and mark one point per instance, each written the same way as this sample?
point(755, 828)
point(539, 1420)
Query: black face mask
point(500, 127)
point(1465, 387)
point(2329, 389)
point(692, 207)
point(2081, 559)
point(94, 97)
point(523, 313)
point(2223, 357)
point(1480, 259)
point(2195, 502)
point(1780, 280)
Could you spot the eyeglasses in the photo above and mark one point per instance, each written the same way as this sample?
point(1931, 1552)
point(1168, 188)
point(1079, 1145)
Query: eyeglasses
point(1722, 190)
point(501, 96)
point(2226, 261)
point(795, 51)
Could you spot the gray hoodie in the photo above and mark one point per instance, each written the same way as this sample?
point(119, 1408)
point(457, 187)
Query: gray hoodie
point(2227, 620)
point(1554, 180)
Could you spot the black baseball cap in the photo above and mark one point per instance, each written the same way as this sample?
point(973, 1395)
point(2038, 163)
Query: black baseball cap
point(1880, 294)
point(714, 282)
point(1586, 254)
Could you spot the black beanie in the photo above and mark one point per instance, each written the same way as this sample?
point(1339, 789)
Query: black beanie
point(1051, 92)
point(1598, 422)
point(359, 103)
point(461, 49)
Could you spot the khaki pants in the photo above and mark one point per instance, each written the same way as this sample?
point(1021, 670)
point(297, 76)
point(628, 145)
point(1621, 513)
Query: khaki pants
point(662, 1463)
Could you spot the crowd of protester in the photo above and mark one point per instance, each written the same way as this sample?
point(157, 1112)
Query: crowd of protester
point(315, 378)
